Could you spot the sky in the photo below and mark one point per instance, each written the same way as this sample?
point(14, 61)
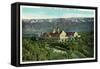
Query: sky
point(35, 12)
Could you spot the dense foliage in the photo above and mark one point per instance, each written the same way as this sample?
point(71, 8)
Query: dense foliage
point(38, 50)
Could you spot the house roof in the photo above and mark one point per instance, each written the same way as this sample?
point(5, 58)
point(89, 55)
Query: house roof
point(56, 34)
point(70, 33)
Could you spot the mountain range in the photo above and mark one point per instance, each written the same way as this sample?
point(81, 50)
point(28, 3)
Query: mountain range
point(35, 26)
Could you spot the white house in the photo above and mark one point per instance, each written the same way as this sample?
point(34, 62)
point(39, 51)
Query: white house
point(76, 34)
point(63, 36)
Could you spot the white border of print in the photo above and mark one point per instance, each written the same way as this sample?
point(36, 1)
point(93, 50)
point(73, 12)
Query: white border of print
point(47, 60)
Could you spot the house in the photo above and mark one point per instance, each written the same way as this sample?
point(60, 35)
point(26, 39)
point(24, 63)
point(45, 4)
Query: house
point(76, 35)
point(62, 36)
point(70, 34)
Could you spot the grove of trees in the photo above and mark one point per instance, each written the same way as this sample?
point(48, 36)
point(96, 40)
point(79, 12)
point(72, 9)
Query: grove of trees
point(41, 50)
